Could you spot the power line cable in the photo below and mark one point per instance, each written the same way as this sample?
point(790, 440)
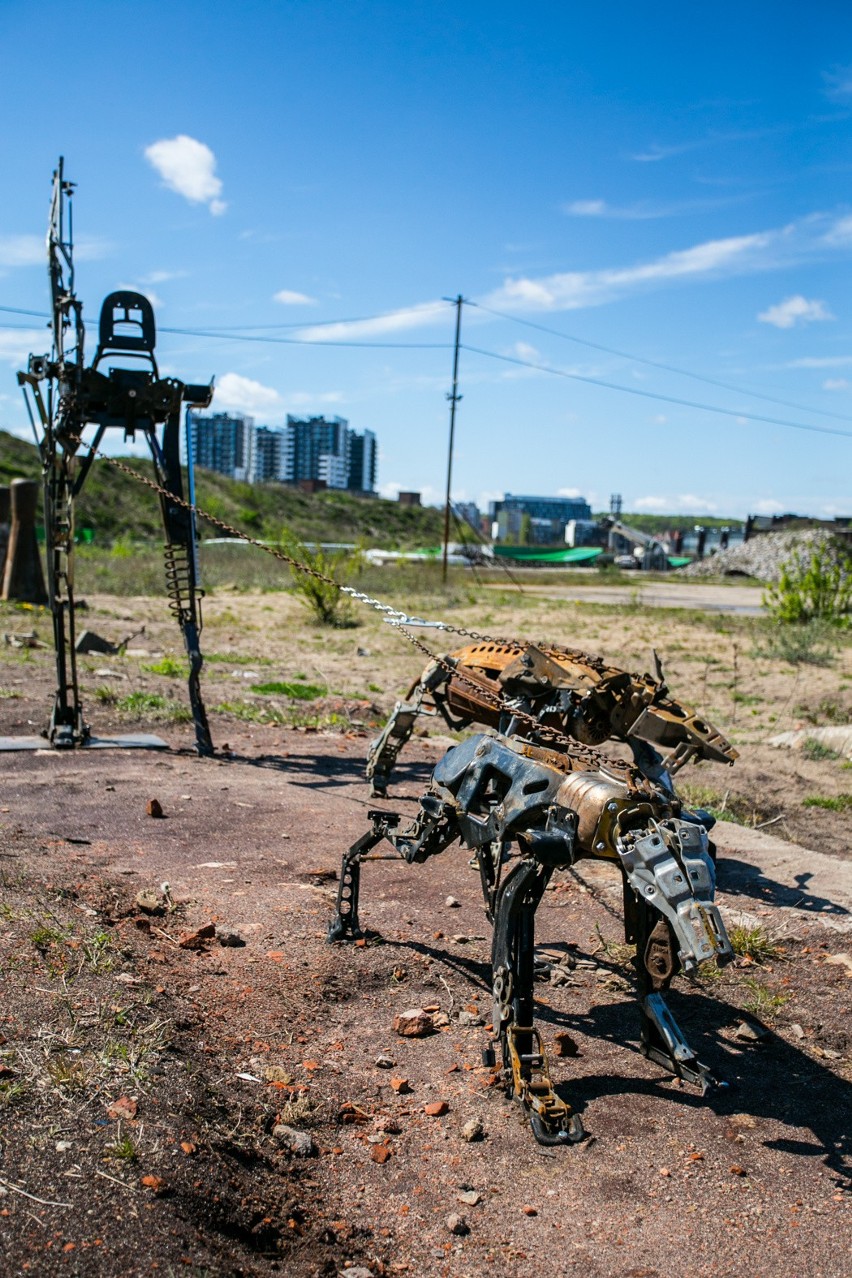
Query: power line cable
point(666, 399)
point(278, 341)
point(652, 363)
point(232, 336)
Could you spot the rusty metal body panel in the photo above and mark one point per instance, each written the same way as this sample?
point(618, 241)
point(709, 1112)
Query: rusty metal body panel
point(571, 692)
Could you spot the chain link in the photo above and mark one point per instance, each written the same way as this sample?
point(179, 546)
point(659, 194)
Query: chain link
point(399, 620)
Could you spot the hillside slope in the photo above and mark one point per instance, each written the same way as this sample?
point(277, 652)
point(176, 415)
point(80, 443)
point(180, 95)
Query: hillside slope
point(115, 506)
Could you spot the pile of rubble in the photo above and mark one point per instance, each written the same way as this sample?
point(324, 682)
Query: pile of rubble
point(762, 556)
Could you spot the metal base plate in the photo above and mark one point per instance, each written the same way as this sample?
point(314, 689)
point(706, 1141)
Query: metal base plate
point(133, 741)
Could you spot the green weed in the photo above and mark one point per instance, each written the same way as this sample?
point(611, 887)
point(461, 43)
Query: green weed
point(753, 942)
point(834, 803)
point(762, 1001)
point(124, 1148)
point(815, 750)
point(171, 667)
point(296, 691)
point(249, 712)
point(811, 644)
point(826, 710)
point(150, 705)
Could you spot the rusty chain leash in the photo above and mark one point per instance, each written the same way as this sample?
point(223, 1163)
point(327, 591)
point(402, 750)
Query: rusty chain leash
point(398, 619)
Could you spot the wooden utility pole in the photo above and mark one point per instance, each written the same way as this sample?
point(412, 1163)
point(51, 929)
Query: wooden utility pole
point(454, 398)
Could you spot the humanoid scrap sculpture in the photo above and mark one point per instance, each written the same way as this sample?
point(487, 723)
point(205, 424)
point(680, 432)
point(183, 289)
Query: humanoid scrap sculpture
point(135, 400)
point(557, 807)
point(576, 694)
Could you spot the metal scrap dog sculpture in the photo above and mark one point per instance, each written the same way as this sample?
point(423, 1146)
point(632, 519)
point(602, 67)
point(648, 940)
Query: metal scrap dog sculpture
point(558, 807)
point(577, 694)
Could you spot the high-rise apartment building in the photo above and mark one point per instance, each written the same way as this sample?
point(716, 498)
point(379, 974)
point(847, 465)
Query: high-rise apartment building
point(223, 442)
point(307, 448)
point(363, 460)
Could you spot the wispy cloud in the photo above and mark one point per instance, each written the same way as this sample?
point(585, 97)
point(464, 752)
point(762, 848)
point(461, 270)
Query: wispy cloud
point(30, 250)
point(188, 167)
point(244, 395)
point(682, 504)
point(654, 153)
point(643, 210)
point(820, 361)
point(154, 298)
point(299, 399)
point(839, 233)
point(379, 325)
point(838, 83)
point(288, 297)
point(836, 384)
point(573, 290)
point(162, 277)
point(22, 250)
point(16, 345)
point(795, 310)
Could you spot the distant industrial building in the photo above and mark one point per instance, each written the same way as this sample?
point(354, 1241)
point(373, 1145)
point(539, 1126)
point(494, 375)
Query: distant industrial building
point(535, 521)
point(316, 451)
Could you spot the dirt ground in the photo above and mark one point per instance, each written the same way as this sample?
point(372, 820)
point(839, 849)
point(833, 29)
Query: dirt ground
point(144, 1085)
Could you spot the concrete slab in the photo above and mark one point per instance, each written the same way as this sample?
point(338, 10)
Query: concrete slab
point(785, 876)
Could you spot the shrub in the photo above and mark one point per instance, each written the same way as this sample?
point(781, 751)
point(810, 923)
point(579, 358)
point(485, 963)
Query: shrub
point(810, 644)
point(329, 606)
point(815, 586)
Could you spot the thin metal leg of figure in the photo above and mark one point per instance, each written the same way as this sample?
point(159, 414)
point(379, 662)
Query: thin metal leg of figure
point(661, 1038)
point(345, 925)
point(181, 582)
point(67, 728)
point(384, 750)
point(513, 970)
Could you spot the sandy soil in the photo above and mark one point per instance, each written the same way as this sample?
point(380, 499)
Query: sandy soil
point(142, 1082)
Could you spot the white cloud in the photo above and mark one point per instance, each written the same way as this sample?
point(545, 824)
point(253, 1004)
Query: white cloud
point(17, 345)
point(767, 506)
point(838, 83)
point(300, 398)
point(820, 361)
point(656, 153)
point(642, 211)
point(287, 297)
point(161, 277)
point(379, 325)
point(839, 233)
point(569, 492)
point(684, 504)
point(243, 395)
point(188, 167)
point(429, 496)
point(154, 298)
point(835, 384)
point(30, 250)
point(22, 250)
point(795, 310)
point(586, 208)
point(576, 289)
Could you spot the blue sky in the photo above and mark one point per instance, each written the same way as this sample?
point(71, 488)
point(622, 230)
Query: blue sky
point(671, 182)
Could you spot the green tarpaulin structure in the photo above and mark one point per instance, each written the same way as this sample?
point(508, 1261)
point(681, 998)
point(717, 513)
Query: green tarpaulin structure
point(570, 555)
